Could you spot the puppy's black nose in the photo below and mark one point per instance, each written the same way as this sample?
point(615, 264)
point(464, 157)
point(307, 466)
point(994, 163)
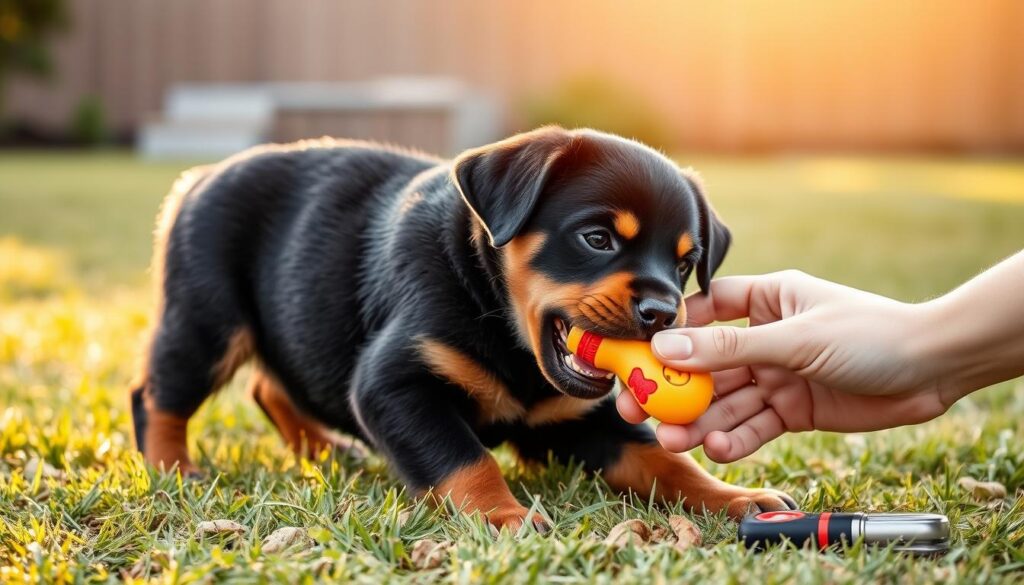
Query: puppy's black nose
point(655, 314)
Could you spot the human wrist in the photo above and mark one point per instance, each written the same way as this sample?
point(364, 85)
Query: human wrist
point(944, 347)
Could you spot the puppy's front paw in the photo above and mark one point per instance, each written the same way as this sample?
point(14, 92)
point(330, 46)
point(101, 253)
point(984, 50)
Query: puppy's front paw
point(512, 518)
point(758, 500)
point(479, 488)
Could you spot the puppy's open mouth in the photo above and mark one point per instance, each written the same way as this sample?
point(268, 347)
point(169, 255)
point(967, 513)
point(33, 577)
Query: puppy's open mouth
point(574, 377)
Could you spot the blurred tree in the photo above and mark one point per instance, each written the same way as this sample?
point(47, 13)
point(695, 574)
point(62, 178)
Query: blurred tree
point(596, 102)
point(24, 28)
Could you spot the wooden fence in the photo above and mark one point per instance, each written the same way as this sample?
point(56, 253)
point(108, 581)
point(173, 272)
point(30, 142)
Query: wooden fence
point(722, 74)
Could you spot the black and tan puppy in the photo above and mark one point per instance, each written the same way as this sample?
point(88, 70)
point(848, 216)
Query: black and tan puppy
point(422, 305)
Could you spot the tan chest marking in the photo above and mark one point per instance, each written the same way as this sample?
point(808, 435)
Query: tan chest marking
point(559, 409)
point(495, 401)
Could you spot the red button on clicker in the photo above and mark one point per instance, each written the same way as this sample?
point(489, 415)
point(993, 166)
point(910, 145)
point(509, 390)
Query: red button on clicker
point(784, 516)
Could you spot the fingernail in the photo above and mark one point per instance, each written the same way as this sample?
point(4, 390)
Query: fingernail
point(672, 345)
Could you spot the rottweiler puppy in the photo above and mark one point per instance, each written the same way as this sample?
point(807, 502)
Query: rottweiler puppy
point(422, 306)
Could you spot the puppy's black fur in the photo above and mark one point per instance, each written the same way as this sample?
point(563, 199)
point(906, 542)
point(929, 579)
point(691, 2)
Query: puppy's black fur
point(412, 302)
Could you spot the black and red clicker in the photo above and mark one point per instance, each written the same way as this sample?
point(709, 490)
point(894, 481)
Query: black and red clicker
point(925, 534)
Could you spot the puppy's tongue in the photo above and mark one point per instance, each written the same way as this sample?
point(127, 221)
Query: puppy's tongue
point(587, 369)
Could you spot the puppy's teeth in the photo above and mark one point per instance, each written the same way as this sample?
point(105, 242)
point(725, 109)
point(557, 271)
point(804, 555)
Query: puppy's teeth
point(560, 327)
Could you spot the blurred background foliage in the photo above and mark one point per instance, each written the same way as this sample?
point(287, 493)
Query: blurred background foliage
point(89, 122)
point(593, 101)
point(26, 27)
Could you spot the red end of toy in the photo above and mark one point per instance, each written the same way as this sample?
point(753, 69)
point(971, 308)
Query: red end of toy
point(587, 349)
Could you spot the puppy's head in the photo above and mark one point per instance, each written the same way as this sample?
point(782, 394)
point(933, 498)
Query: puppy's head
point(592, 230)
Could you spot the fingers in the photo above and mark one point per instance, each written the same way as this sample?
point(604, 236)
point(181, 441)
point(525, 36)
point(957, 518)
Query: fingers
point(675, 438)
point(629, 409)
point(729, 298)
point(723, 415)
point(728, 381)
point(725, 447)
point(728, 413)
point(712, 349)
point(700, 308)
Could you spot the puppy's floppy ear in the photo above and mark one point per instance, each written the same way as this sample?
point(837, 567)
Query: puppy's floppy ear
point(715, 237)
point(502, 182)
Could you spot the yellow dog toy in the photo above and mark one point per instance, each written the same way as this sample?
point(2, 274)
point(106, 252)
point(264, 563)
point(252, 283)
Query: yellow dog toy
point(665, 393)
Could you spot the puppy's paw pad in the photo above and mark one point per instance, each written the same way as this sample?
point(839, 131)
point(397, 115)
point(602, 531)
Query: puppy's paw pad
point(763, 500)
point(512, 519)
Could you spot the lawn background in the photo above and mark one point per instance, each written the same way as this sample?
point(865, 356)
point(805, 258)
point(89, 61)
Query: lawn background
point(74, 303)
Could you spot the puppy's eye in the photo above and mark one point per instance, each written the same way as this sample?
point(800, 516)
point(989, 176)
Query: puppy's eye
point(599, 240)
point(684, 268)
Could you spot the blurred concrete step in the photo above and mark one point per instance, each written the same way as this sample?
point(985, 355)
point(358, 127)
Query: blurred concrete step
point(198, 138)
point(228, 102)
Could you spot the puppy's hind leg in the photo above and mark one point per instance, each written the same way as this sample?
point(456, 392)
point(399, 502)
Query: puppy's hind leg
point(188, 360)
point(304, 435)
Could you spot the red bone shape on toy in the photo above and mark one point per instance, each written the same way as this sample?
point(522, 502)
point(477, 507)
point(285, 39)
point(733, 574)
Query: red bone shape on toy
point(642, 387)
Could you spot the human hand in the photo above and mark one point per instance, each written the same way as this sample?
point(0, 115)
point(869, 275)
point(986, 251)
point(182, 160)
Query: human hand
point(817, 355)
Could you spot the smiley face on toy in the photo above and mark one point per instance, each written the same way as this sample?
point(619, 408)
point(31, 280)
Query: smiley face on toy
point(675, 377)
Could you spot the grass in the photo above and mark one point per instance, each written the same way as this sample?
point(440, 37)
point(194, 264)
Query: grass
point(74, 244)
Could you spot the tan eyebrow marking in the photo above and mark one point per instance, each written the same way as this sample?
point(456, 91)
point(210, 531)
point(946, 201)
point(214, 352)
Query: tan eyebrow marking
point(626, 224)
point(684, 245)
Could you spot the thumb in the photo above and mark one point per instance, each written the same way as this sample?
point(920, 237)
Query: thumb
point(712, 349)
